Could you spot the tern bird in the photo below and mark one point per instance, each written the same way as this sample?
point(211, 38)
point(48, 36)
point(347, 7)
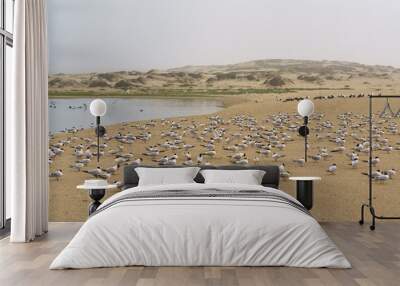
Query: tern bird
point(391, 173)
point(137, 161)
point(317, 157)
point(354, 163)
point(332, 169)
point(277, 156)
point(77, 166)
point(374, 161)
point(301, 162)
point(200, 159)
point(188, 162)
point(98, 173)
point(111, 170)
point(283, 173)
point(57, 174)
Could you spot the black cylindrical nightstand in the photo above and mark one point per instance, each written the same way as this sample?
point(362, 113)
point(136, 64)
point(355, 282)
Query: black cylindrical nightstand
point(304, 190)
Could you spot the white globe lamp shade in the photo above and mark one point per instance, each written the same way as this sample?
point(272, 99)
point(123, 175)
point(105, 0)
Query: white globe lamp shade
point(305, 107)
point(98, 107)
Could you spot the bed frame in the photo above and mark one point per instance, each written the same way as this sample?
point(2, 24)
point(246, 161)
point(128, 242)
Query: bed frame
point(270, 179)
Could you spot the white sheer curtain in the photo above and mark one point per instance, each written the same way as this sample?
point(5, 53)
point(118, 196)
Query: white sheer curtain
point(27, 124)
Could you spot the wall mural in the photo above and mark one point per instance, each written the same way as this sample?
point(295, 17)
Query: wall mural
point(239, 113)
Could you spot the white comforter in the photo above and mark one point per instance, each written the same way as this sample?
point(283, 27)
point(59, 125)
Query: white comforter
point(211, 231)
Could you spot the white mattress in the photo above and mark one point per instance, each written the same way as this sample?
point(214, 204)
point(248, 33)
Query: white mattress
point(202, 232)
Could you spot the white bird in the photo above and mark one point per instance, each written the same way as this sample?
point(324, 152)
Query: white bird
point(352, 156)
point(51, 153)
point(162, 160)
point(137, 161)
point(317, 157)
point(188, 162)
point(88, 153)
point(374, 161)
point(210, 153)
point(112, 169)
point(94, 171)
point(282, 171)
point(77, 166)
point(280, 146)
point(98, 172)
point(200, 159)
point(301, 162)
point(264, 151)
point(338, 149)
point(79, 153)
point(152, 153)
point(57, 151)
point(332, 169)
point(119, 184)
point(188, 156)
point(277, 156)
point(114, 152)
point(126, 155)
point(354, 163)
point(188, 146)
point(56, 174)
point(325, 155)
point(382, 177)
point(173, 157)
point(391, 173)
point(171, 162)
point(231, 148)
point(387, 148)
point(374, 174)
point(242, 161)
point(121, 160)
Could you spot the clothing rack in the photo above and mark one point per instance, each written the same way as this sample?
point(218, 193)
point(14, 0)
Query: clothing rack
point(370, 205)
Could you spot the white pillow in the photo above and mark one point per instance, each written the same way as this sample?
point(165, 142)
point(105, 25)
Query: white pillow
point(166, 176)
point(248, 177)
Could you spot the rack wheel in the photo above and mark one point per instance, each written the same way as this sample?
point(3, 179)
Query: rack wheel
point(361, 222)
point(372, 227)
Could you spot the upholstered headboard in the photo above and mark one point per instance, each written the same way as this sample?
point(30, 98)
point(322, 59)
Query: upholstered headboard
point(271, 177)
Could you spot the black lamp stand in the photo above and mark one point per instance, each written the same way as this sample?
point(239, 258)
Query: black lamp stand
point(100, 131)
point(304, 131)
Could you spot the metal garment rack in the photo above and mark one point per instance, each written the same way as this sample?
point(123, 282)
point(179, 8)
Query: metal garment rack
point(370, 205)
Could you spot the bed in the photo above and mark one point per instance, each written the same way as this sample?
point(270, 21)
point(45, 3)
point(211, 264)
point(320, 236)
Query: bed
point(197, 224)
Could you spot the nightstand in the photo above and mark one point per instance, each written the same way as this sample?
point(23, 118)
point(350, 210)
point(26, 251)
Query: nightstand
point(96, 193)
point(304, 190)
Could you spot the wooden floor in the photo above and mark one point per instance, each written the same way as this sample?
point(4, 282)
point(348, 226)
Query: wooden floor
point(375, 257)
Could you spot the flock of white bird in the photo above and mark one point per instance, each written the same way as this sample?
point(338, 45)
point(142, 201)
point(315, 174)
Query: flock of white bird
point(187, 142)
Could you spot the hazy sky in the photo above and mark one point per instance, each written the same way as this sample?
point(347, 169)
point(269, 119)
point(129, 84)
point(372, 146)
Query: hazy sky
point(110, 35)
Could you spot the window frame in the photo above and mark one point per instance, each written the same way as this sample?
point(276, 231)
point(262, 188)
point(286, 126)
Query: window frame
point(6, 39)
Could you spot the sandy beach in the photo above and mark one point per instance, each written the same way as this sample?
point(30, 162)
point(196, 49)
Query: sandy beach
point(260, 115)
point(337, 197)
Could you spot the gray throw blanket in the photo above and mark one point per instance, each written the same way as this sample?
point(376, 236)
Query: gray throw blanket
point(205, 194)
